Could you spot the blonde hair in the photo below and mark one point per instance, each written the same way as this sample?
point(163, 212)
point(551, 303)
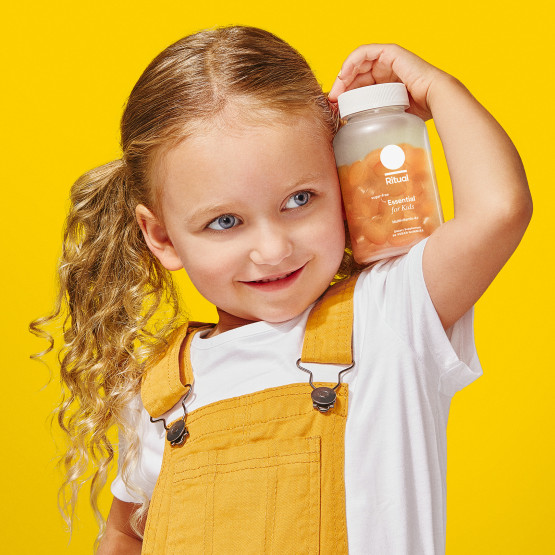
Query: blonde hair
point(109, 281)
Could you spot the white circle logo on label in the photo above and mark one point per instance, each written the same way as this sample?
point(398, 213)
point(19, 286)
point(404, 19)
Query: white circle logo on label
point(392, 157)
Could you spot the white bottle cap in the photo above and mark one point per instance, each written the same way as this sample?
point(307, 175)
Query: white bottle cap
point(373, 96)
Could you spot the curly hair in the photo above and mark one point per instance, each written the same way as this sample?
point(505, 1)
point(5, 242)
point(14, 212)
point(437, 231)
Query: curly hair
point(121, 303)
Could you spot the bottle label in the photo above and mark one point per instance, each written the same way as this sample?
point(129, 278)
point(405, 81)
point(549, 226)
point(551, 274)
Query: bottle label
point(390, 201)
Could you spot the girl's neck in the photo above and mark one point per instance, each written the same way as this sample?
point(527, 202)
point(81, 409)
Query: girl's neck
point(227, 322)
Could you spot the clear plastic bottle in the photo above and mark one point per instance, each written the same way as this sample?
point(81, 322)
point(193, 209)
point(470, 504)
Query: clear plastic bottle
point(386, 172)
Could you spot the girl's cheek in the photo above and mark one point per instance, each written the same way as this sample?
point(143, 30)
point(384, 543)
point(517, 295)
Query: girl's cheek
point(326, 230)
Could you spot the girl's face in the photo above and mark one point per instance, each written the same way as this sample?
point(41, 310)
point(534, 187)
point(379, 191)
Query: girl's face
point(254, 215)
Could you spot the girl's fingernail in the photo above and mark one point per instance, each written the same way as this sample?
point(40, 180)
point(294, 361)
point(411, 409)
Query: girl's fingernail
point(339, 75)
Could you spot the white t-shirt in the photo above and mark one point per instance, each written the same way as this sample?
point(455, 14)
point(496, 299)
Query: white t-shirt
point(407, 368)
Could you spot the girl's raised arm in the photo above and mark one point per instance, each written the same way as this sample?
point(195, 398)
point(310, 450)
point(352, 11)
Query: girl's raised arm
point(492, 201)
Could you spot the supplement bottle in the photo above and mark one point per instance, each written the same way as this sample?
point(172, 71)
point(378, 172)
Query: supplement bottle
point(386, 172)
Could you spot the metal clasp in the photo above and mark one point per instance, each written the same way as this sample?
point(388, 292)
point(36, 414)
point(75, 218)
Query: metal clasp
point(323, 398)
point(177, 432)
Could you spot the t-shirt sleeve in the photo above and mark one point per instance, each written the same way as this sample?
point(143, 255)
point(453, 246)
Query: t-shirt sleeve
point(118, 487)
point(397, 287)
point(143, 474)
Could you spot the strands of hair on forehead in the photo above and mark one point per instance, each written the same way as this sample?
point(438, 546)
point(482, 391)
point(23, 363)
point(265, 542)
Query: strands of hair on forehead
point(119, 305)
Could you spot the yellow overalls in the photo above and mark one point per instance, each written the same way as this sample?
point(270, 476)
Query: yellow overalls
point(259, 473)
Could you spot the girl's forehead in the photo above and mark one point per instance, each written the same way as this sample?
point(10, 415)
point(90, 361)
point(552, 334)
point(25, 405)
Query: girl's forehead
point(245, 112)
point(237, 144)
point(233, 122)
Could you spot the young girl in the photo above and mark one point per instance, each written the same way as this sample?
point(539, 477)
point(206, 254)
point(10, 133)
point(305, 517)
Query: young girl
point(227, 171)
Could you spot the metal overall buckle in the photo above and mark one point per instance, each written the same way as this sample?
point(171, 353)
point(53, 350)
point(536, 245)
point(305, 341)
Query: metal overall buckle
point(323, 398)
point(177, 433)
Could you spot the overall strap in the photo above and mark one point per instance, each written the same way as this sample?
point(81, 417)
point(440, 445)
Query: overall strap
point(327, 339)
point(164, 382)
point(329, 329)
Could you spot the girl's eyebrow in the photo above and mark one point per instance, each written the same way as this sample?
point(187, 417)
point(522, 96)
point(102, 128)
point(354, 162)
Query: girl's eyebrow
point(209, 211)
point(311, 177)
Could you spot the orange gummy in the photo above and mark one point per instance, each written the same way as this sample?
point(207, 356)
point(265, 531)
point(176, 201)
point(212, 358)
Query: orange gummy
point(375, 196)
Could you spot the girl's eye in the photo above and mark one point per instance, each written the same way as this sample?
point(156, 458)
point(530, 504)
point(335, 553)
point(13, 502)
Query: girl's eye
point(298, 199)
point(227, 221)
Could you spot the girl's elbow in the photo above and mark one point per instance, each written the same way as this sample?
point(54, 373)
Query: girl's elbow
point(529, 210)
point(516, 215)
point(523, 210)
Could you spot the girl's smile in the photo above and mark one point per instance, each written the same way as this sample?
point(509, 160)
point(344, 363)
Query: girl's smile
point(253, 213)
point(276, 282)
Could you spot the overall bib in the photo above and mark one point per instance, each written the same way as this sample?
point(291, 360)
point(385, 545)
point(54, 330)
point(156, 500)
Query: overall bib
point(259, 473)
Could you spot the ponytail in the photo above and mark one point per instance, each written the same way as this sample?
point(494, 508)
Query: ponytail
point(112, 286)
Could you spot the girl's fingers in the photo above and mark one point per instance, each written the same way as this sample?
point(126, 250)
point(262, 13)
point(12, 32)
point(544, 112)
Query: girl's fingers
point(347, 77)
point(359, 62)
point(387, 63)
point(351, 70)
point(337, 88)
point(365, 79)
point(383, 72)
point(362, 58)
point(362, 80)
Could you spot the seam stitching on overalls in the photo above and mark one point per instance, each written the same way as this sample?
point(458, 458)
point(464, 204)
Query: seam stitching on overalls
point(341, 394)
point(168, 371)
point(343, 319)
point(267, 503)
point(344, 316)
point(249, 468)
point(312, 500)
point(319, 320)
point(246, 417)
point(309, 451)
point(214, 458)
point(197, 437)
point(214, 410)
point(275, 503)
point(205, 518)
point(187, 366)
point(213, 504)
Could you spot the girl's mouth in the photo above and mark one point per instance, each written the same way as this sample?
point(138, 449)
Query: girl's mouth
point(276, 282)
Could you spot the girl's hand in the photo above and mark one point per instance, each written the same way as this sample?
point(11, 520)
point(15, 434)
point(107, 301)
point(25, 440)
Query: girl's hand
point(370, 64)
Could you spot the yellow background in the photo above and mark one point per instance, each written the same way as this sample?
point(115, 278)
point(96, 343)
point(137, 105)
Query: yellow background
point(67, 69)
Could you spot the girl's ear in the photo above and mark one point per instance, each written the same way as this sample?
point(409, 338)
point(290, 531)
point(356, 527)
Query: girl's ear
point(157, 238)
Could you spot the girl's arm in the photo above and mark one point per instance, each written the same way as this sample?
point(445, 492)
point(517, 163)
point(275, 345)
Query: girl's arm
point(119, 538)
point(491, 198)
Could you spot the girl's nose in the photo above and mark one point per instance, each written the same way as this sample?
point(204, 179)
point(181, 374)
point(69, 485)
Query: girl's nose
point(271, 247)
